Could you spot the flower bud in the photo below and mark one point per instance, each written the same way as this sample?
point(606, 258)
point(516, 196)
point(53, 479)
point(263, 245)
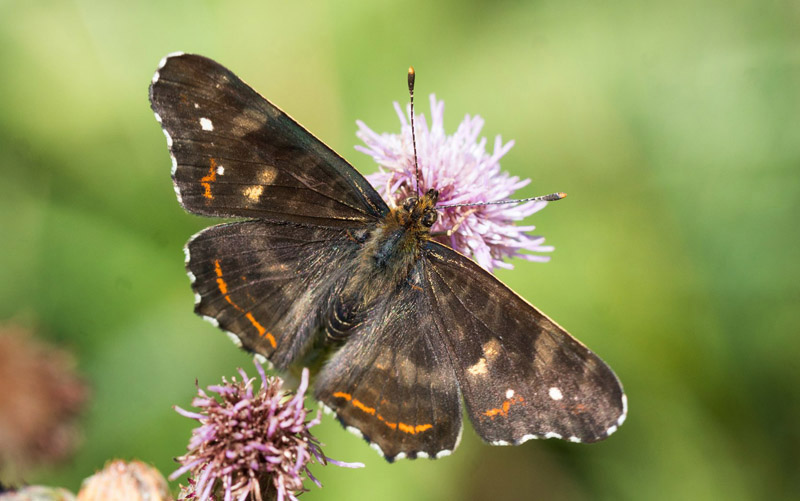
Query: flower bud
point(125, 481)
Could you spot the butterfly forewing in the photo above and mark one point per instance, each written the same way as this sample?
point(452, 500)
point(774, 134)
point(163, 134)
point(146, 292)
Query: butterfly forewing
point(236, 154)
point(522, 376)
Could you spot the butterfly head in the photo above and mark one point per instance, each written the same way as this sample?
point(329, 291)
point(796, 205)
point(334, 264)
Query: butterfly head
point(422, 210)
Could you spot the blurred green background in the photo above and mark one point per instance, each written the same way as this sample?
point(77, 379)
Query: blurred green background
point(674, 126)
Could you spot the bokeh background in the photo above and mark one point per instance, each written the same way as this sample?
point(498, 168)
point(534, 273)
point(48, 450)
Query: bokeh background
point(673, 125)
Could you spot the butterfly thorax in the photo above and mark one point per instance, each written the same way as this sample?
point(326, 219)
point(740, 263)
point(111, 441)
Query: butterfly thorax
point(394, 247)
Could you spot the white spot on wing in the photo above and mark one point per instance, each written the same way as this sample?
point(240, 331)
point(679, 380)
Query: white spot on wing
point(624, 410)
point(377, 448)
point(525, 438)
point(220, 170)
point(169, 138)
point(197, 297)
point(355, 431)
point(443, 453)
point(206, 124)
point(233, 337)
point(611, 430)
point(555, 393)
point(164, 60)
point(178, 194)
point(509, 393)
point(552, 434)
point(213, 321)
point(196, 106)
point(500, 442)
point(327, 410)
point(158, 117)
point(423, 455)
point(574, 439)
point(262, 360)
point(174, 164)
point(155, 79)
point(401, 455)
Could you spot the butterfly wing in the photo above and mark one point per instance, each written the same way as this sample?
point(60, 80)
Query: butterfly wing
point(235, 154)
point(269, 283)
point(392, 382)
point(522, 375)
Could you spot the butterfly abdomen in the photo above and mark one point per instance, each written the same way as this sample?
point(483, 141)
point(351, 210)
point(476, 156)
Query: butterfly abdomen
point(345, 315)
point(389, 248)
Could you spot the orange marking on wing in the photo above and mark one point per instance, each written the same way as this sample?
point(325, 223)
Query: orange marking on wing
point(223, 286)
point(405, 428)
point(261, 330)
point(504, 408)
point(387, 423)
point(368, 410)
point(209, 178)
point(422, 427)
point(228, 299)
point(416, 287)
point(413, 430)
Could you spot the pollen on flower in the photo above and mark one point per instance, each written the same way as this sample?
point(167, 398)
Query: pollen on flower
point(251, 444)
point(459, 166)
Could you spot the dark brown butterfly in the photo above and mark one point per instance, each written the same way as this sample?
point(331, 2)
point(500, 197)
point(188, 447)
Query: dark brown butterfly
point(323, 261)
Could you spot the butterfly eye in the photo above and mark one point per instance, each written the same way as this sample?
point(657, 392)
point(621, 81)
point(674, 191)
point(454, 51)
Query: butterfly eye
point(429, 218)
point(409, 203)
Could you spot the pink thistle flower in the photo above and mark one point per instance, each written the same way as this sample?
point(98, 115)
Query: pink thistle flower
point(251, 444)
point(464, 172)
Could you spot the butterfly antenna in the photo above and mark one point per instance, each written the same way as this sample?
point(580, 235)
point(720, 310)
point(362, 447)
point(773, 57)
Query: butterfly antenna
point(546, 198)
point(413, 134)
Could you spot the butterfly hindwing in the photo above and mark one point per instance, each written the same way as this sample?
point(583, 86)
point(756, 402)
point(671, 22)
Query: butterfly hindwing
point(521, 375)
point(235, 154)
point(268, 283)
point(393, 380)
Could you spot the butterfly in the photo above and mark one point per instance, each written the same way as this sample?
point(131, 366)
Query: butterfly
point(321, 261)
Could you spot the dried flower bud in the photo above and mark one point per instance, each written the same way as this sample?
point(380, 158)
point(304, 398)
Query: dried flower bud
point(36, 493)
point(42, 396)
point(125, 481)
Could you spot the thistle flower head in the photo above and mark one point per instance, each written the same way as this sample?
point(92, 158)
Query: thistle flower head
point(251, 444)
point(464, 172)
